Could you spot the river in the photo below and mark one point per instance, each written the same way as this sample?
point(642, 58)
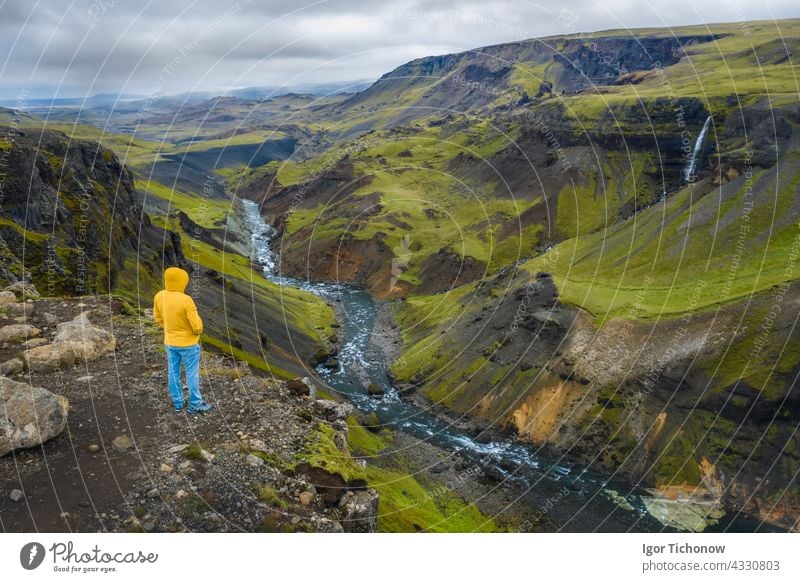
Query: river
point(578, 499)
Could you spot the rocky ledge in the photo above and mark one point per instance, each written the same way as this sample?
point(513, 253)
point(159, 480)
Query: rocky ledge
point(89, 440)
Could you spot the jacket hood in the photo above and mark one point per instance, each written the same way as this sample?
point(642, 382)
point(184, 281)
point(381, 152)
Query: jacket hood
point(176, 279)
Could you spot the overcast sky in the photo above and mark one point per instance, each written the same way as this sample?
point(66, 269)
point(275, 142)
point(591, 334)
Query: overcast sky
point(83, 47)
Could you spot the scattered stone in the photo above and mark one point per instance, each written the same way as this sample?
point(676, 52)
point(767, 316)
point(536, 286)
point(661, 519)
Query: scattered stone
point(84, 379)
point(340, 440)
point(258, 445)
point(36, 342)
point(12, 366)
point(148, 526)
point(152, 494)
point(254, 461)
point(29, 415)
point(94, 448)
point(16, 495)
point(306, 498)
point(165, 468)
point(122, 443)
point(177, 449)
point(18, 332)
point(7, 298)
point(50, 319)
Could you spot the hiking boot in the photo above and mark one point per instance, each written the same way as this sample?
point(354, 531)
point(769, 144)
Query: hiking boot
point(200, 408)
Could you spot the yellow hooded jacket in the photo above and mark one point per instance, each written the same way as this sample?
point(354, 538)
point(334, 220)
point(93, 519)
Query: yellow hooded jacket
point(176, 312)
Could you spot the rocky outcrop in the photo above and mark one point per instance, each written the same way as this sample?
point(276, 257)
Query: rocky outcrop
point(72, 206)
point(23, 290)
point(76, 340)
point(29, 416)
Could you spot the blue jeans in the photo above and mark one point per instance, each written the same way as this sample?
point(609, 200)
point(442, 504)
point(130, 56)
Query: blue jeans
point(190, 356)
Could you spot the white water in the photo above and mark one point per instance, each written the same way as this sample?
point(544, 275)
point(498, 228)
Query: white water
point(691, 167)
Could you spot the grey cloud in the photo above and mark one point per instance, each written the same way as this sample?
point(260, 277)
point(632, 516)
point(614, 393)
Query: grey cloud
point(207, 44)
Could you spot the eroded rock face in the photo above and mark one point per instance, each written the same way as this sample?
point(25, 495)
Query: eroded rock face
point(75, 340)
point(29, 416)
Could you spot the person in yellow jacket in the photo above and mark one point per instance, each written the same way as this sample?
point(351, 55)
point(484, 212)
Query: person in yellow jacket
point(177, 314)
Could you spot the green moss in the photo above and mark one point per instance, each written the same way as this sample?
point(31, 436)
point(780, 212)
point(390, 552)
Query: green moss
point(202, 210)
point(365, 442)
point(56, 162)
point(194, 452)
point(677, 463)
point(582, 209)
point(406, 506)
point(269, 496)
point(321, 452)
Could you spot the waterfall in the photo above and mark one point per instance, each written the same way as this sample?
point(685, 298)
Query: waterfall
point(261, 232)
point(691, 168)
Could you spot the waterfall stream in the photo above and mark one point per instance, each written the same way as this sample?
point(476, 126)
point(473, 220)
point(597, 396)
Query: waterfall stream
point(691, 167)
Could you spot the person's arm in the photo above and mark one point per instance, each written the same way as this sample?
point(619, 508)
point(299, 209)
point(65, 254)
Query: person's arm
point(157, 315)
point(194, 317)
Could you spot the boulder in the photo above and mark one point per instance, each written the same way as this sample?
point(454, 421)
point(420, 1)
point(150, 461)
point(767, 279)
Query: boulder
point(299, 387)
point(23, 289)
point(258, 445)
point(18, 332)
point(19, 309)
point(74, 341)
point(11, 367)
point(7, 298)
point(29, 415)
point(122, 443)
point(50, 318)
point(375, 390)
point(332, 410)
point(254, 461)
point(360, 511)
